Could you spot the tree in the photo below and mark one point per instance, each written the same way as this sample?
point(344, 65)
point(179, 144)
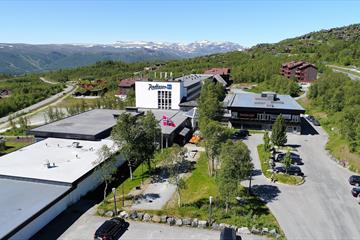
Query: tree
point(176, 164)
point(266, 139)
point(236, 166)
point(287, 161)
point(151, 133)
point(209, 104)
point(137, 138)
point(278, 135)
point(214, 135)
point(105, 166)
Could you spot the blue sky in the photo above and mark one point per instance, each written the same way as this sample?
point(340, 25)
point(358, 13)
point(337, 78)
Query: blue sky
point(244, 22)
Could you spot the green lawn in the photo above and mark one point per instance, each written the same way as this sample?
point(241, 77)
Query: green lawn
point(12, 144)
point(282, 178)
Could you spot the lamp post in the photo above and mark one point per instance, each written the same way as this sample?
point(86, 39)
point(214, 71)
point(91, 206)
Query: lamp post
point(123, 198)
point(250, 177)
point(210, 209)
point(114, 193)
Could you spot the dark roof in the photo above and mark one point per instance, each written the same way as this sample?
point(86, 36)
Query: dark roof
point(255, 100)
point(300, 65)
point(129, 82)
point(220, 71)
point(90, 125)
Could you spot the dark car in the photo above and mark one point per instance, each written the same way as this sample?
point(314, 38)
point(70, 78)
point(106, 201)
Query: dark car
point(228, 234)
point(294, 158)
point(354, 180)
point(242, 133)
point(293, 170)
point(355, 191)
point(111, 229)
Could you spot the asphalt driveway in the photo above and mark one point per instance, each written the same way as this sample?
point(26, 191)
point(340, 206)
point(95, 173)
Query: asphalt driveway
point(321, 208)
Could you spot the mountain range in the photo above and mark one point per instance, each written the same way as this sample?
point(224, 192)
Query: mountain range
point(21, 58)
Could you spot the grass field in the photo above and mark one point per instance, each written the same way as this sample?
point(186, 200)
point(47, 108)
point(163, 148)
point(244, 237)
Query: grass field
point(282, 178)
point(336, 144)
point(12, 144)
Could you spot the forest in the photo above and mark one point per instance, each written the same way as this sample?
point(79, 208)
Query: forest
point(338, 96)
point(24, 91)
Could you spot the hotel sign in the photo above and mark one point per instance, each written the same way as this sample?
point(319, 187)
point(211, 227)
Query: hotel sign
point(159, 87)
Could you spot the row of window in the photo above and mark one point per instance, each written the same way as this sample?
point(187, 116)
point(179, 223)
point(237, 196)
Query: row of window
point(164, 99)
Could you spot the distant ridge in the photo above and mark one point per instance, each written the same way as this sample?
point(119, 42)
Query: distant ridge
point(21, 58)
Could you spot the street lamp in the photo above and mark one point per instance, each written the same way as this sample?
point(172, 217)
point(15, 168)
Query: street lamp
point(114, 193)
point(210, 209)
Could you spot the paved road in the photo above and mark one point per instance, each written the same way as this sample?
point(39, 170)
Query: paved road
point(40, 104)
point(352, 76)
point(47, 81)
point(80, 222)
point(321, 208)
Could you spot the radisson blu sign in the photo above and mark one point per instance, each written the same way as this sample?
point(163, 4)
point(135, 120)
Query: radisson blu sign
point(160, 87)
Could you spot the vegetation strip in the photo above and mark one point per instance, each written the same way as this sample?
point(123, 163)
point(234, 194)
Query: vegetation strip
point(281, 178)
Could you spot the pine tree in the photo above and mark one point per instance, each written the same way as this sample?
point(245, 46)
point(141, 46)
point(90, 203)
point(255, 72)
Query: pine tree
point(266, 139)
point(278, 136)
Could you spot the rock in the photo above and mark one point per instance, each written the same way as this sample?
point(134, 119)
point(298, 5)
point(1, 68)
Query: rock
point(178, 222)
point(140, 215)
point(163, 218)
point(187, 221)
point(195, 222)
point(223, 225)
point(254, 230)
point(124, 214)
point(109, 214)
point(215, 227)
point(202, 224)
point(243, 230)
point(101, 212)
point(273, 232)
point(265, 231)
point(156, 219)
point(170, 221)
point(133, 214)
point(146, 217)
point(234, 227)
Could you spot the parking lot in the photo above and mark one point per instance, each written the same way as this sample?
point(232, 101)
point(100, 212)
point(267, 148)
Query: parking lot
point(321, 208)
point(80, 222)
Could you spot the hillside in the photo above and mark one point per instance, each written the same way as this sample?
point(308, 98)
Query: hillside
point(24, 58)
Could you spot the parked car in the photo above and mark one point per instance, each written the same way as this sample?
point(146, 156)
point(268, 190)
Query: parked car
point(354, 180)
point(293, 170)
point(313, 120)
point(228, 234)
point(355, 191)
point(295, 158)
point(111, 229)
point(242, 133)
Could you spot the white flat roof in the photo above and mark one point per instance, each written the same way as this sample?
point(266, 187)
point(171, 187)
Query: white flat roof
point(71, 163)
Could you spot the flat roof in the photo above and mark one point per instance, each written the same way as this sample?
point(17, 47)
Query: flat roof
point(90, 125)
point(71, 163)
point(177, 116)
point(20, 200)
point(254, 100)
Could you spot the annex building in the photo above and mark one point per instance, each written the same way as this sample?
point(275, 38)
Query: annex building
point(41, 180)
point(259, 111)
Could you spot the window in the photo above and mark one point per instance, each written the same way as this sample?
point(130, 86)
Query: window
point(164, 99)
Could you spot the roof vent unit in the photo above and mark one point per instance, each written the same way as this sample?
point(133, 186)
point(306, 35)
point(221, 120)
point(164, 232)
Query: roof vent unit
point(269, 96)
point(76, 144)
